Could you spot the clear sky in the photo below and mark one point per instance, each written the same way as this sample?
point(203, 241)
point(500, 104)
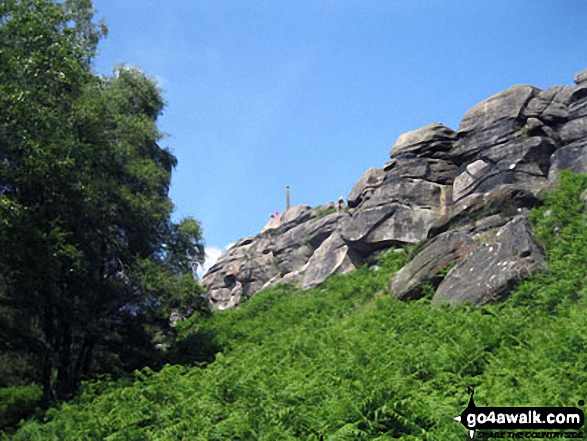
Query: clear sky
point(311, 93)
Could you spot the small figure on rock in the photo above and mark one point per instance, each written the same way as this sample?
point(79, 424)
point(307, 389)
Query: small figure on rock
point(340, 205)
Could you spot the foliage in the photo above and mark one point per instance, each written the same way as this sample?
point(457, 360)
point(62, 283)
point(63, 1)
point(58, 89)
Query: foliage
point(91, 266)
point(341, 361)
point(90, 263)
point(323, 211)
point(18, 402)
point(561, 227)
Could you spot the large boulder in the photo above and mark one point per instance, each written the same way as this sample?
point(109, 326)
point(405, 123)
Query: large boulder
point(332, 257)
point(429, 169)
point(415, 192)
point(492, 269)
point(550, 105)
point(444, 250)
point(578, 103)
point(581, 77)
point(572, 157)
point(431, 141)
point(574, 130)
point(521, 161)
point(400, 211)
point(384, 226)
point(365, 186)
point(492, 122)
point(506, 201)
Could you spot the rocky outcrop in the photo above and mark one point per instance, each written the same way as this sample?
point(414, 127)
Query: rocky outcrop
point(493, 267)
point(446, 249)
point(432, 141)
point(467, 192)
point(363, 189)
point(492, 122)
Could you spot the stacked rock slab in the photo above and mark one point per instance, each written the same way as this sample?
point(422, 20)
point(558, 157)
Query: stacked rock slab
point(468, 192)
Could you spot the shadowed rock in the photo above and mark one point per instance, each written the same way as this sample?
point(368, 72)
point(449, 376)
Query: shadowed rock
point(492, 122)
point(365, 186)
point(572, 157)
point(381, 227)
point(493, 268)
point(428, 169)
point(574, 130)
point(505, 200)
point(448, 248)
point(550, 105)
point(522, 161)
point(333, 257)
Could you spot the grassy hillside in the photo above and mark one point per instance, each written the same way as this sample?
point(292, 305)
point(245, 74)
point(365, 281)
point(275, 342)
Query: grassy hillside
point(343, 361)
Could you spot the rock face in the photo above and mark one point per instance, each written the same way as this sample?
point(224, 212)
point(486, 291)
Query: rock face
point(494, 267)
point(444, 250)
point(468, 192)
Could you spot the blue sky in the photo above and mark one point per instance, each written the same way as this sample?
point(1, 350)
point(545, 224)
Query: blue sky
point(311, 93)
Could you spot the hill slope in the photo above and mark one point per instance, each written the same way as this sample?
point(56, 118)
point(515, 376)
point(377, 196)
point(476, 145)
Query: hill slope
point(345, 361)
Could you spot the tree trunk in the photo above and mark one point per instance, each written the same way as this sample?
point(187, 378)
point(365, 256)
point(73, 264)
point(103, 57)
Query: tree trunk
point(48, 397)
point(65, 381)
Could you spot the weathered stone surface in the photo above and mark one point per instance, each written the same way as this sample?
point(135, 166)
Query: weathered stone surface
point(315, 231)
point(292, 258)
point(428, 169)
point(523, 160)
point(574, 130)
point(550, 105)
point(578, 103)
point(491, 122)
point(431, 141)
point(365, 186)
point(333, 257)
point(506, 200)
point(578, 108)
point(447, 248)
point(493, 268)
point(572, 157)
point(457, 189)
point(415, 192)
point(293, 248)
point(466, 181)
point(363, 222)
point(581, 77)
point(383, 226)
point(289, 218)
point(535, 127)
point(277, 254)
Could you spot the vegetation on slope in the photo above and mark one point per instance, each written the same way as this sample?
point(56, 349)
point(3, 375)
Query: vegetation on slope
point(91, 264)
point(344, 361)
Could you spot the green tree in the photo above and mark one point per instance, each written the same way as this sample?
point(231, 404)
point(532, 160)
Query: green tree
point(90, 262)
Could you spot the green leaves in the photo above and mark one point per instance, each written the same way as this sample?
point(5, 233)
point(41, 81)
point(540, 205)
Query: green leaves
point(90, 263)
point(561, 227)
point(346, 361)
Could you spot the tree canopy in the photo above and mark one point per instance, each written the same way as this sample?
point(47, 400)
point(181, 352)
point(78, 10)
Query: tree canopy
point(90, 262)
